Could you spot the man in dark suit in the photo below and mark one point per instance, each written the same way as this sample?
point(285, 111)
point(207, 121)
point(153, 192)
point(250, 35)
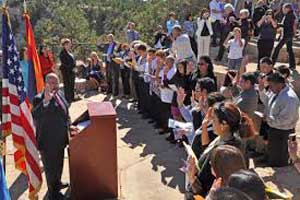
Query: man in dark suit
point(112, 68)
point(52, 121)
point(68, 64)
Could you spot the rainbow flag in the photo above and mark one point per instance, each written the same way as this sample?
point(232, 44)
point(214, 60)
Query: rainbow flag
point(35, 79)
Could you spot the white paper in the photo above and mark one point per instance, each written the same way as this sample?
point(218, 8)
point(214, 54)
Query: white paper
point(83, 125)
point(166, 95)
point(259, 114)
point(189, 150)
point(180, 125)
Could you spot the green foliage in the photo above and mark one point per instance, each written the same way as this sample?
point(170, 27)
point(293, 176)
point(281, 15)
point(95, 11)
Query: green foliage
point(85, 20)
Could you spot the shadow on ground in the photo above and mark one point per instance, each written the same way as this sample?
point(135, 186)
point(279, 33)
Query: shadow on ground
point(163, 155)
point(285, 179)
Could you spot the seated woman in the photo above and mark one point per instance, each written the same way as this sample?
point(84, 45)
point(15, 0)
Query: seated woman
point(96, 68)
point(231, 125)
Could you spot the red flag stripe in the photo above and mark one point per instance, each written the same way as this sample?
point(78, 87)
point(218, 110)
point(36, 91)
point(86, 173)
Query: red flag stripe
point(18, 140)
point(33, 165)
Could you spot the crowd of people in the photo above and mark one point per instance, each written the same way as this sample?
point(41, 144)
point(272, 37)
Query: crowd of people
point(172, 83)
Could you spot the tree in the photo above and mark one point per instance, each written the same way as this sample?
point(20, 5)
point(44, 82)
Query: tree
point(85, 20)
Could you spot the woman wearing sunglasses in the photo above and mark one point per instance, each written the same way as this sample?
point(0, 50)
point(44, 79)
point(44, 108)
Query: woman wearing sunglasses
point(205, 69)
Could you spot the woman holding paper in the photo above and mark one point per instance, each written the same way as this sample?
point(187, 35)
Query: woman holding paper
point(178, 81)
point(230, 125)
point(166, 94)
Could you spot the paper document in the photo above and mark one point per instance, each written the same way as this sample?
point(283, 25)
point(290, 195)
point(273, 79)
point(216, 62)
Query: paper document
point(83, 125)
point(166, 95)
point(259, 114)
point(180, 125)
point(189, 150)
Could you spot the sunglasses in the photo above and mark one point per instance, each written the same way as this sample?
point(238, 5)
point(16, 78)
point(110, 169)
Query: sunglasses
point(201, 64)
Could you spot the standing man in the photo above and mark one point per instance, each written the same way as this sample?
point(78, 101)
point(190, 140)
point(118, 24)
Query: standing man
point(67, 67)
point(181, 46)
point(132, 34)
point(112, 68)
point(52, 121)
point(282, 114)
point(216, 15)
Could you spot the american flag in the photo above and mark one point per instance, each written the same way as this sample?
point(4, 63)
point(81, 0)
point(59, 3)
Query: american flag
point(16, 114)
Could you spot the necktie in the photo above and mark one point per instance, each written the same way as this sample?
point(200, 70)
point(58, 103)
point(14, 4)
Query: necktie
point(60, 102)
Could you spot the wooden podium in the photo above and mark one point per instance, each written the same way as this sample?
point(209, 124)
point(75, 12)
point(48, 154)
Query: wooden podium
point(93, 155)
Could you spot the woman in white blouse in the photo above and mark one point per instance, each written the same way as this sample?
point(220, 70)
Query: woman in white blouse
point(204, 33)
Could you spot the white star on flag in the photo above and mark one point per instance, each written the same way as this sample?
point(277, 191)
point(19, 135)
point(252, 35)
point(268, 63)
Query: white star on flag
point(10, 48)
point(19, 78)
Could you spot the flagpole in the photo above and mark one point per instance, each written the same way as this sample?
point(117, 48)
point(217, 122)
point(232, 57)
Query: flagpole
point(25, 7)
point(3, 138)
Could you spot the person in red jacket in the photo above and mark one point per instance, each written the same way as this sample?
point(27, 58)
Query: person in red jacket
point(46, 60)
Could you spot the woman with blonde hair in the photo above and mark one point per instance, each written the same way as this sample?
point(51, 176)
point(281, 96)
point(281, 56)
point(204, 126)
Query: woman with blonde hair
point(96, 71)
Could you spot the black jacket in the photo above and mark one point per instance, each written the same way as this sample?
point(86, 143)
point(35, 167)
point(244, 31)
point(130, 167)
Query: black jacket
point(52, 123)
point(68, 62)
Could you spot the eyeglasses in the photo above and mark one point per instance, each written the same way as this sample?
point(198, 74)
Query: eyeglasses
point(201, 64)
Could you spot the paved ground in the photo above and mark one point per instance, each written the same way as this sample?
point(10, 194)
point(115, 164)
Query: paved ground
point(148, 165)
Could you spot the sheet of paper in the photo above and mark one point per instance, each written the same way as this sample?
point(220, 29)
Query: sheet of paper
point(180, 125)
point(166, 95)
point(83, 125)
point(189, 150)
point(259, 114)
